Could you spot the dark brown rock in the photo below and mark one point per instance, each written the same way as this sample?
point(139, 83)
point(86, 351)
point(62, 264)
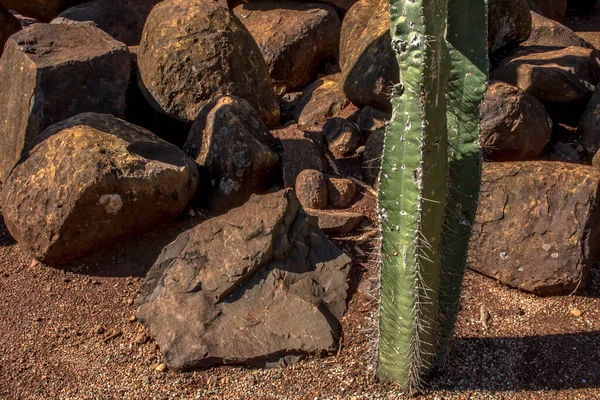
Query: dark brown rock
point(279, 295)
point(371, 119)
point(52, 72)
point(554, 76)
point(342, 137)
point(365, 37)
point(114, 17)
point(553, 9)
point(182, 70)
point(589, 126)
point(333, 222)
point(547, 32)
point(294, 37)
point(596, 160)
point(372, 156)
point(537, 225)
point(565, 152)
point(320, 101)
point(341, 5)
point(509, 23)
point(340, 191)
point(514, 125)
point(92, 180)
point(9, 25)
point(43, 10)
point(301, 150)
point(311, 189)
point(239, 153)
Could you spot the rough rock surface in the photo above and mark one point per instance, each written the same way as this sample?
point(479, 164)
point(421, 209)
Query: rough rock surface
point(554, 76)
point(341, 5)
point(311, 189)
point(365, 37)
point(301, 150)
point(589, 126)
point(340, 191)
point(43, 10)
point(333, 222)
point(509, 23)
point(320, 101)
point(182, 70)
point(9, 25)
point(546, 32)
point(52, 72)
point(537, 225)
point(295, 38)
point(565, 152)
point(514, 125)
point(372, 156)
point(114, 17)
point(371, 119)
point(278, 296)
point(553, 9)
point(90, 181)
point(231, 142)
point(342, 136)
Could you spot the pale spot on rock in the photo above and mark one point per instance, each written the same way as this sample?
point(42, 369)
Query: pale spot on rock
point(112, 203)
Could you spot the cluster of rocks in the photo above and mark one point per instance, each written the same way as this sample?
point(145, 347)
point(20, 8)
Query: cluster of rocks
point(117, 115)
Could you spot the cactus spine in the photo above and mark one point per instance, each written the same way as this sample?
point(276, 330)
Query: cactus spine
point(429, 179)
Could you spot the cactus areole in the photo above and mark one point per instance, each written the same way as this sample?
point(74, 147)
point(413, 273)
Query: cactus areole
point(429, 179)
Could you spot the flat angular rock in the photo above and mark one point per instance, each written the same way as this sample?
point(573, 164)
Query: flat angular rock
point(114, 17)
point(231, 142)
point(43, 10)
point(342, 136)
point(9, 25)
point(90, 181)
point(182, 69)
point(553, 76)
point(514, 125)
point(509, 23)
point(333, 222)
point(340, 191)
point(537, 225)
point(365, 37)
point(253, 286)
point(294, 37)
point(547, 32)
point(301, 150)
point(320, 101)
point(52, 72)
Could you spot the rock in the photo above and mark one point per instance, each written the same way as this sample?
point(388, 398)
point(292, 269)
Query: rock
point(295, 38)
point(514, 125)
point(576, 312)
point(596, 160)
point(43, 10)
point(536, 228)
point(553, 9)
point(9, 25)
point(365, 36)
point(546, 32)
point(565, 152)
point(182, 70)
point(589, 126)
point(342, 137)
point(340, 191)
point(239, 153)
point(301, 150)
point(162, 367)
point(554, 76)
point(509, 23)
point(114, 17)
point(333, 222)
point(52, 72)
point(90, 181)
point(320, 101)
point(311, 189)
point(341, 5)
point(280, 293)
point(371, 119)
point(372, 156)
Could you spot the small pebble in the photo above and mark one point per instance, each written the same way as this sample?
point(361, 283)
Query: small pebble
point(577, 312)
point(161, 367)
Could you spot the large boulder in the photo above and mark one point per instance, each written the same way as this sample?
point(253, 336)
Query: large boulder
point(514, 125)
point(114, 17)
point(537, 225)
point(294, 37)
point(193, 51)
point(546, 32)
point(553, 9)
point(589, 126)
point(320, 101)
point(509, 23)
point(52, 72)
point(9, 25)
point(553, 76)
point(43, 10)
point(367, 60)
point(90, 181)
point(239, 153)
point(279, 295)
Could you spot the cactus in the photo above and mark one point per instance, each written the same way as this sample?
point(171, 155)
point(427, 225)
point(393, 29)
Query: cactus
point(429, 179)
